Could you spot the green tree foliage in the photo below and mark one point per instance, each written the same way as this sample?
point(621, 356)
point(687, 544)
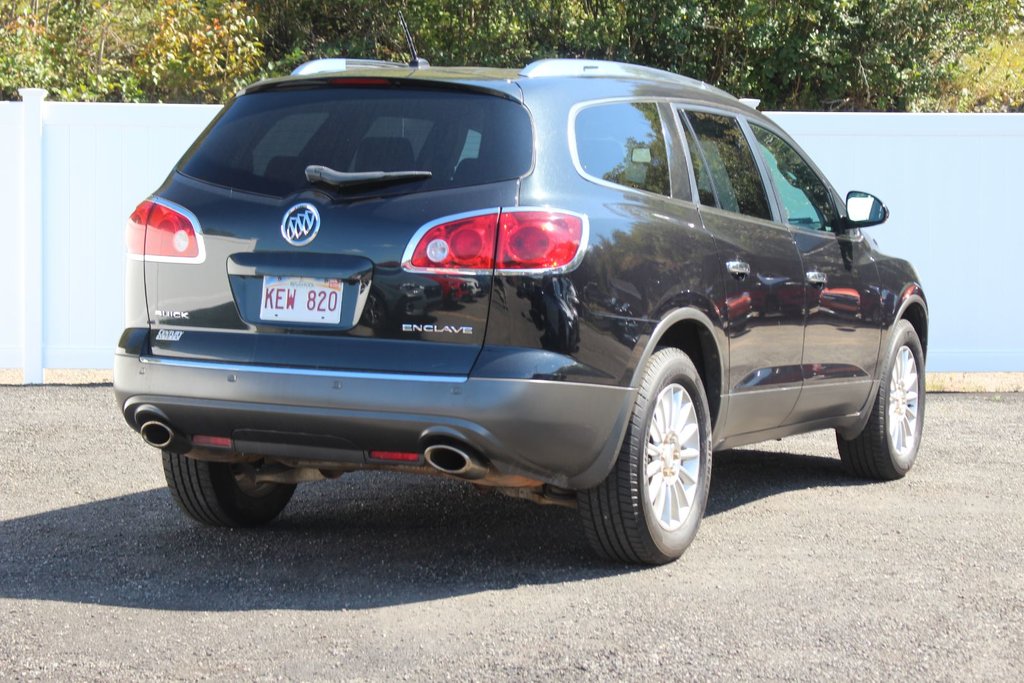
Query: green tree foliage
point(128, 50)
point(806, 54)
point(799, 54)
point(200, 55)
point(990, 79)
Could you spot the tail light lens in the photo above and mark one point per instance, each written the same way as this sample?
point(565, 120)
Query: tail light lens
point(454, 245)
point(538, 240)
point(164, 232)
point(503, 240)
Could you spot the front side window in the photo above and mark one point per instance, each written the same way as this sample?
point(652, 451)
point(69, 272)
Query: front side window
point(730, 164)
point(805, 197)
point(623, 143)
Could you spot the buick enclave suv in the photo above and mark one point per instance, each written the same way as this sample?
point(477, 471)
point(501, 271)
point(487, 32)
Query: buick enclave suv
point(571, 283)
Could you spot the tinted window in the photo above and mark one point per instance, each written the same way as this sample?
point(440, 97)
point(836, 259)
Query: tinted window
point(623, 143)
point(730, 163)
point(264, 141)
point(805, 197)
point(705, 189)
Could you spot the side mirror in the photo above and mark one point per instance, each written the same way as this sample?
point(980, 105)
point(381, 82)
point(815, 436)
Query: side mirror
point(864, 210)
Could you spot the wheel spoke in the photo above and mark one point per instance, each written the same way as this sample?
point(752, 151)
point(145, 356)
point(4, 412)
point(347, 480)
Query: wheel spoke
point(908, 426)
point(686, 433)
point(656, 434)
point(653, 450)
point(689, 454)
point(653, 468)
point(656, 491)
point(675, 407)
point(668, 504)
point(682, 501)
point(910, 382)
point(689, 472)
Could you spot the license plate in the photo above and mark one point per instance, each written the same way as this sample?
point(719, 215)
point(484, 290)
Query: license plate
point(301, 300)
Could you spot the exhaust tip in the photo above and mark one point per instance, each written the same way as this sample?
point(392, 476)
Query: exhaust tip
point(454, 461)
point(157, 434)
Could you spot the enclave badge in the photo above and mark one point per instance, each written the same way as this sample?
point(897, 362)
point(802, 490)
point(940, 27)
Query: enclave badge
point(300, 225)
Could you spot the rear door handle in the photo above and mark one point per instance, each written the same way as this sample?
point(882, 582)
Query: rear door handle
point(817, 278)
point(738, 269)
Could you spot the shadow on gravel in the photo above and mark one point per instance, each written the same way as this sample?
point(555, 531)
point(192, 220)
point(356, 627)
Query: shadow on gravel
point(744, 476)
point(367, 540)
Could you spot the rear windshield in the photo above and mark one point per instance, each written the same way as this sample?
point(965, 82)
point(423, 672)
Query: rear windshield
point(264, 141)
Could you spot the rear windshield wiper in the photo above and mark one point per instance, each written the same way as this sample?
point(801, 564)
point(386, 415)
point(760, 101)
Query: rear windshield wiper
point(323, 174)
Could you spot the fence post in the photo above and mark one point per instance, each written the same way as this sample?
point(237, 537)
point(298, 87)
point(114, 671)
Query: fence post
point(31, 215)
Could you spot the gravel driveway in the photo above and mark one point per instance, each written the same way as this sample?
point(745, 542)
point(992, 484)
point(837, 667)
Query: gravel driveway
point(799, 571)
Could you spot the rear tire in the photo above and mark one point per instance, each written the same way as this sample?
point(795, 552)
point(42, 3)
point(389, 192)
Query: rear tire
point(210, 493)
point(887, 447)
point(650, 506)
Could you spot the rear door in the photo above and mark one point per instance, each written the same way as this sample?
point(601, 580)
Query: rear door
point(763, 294)
point(308, 274)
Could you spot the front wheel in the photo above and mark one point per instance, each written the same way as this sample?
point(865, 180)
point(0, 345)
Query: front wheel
point(887, 447)
point(211, 493)
point(650, 506)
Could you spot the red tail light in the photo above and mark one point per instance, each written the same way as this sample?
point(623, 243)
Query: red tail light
point(160, 231)
point(504, 240)
point(538, 240)
point(463, 244)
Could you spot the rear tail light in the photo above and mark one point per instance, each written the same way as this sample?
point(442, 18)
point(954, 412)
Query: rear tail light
point(539, 240)
point(510, 241)
point(161, 231)
point(463, 244)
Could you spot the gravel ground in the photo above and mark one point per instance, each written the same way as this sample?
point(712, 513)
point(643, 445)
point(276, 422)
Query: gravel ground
point(798, 572)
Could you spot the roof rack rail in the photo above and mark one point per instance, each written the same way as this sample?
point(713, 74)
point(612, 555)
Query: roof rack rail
point(332, 64)
point(543, 68)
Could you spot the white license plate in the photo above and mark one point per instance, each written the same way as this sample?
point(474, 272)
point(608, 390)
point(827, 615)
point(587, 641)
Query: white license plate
point(301, 300)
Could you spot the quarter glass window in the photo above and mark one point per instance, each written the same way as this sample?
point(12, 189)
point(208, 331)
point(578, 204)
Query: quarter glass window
point(623, 143)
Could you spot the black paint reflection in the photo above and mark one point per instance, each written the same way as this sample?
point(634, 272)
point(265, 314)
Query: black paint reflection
point(554, 311)
point(393, 301)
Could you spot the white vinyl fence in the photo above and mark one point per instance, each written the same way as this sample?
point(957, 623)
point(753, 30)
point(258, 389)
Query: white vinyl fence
point(71, 173)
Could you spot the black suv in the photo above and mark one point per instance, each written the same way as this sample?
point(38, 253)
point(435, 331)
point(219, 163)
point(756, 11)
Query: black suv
point(571, 283)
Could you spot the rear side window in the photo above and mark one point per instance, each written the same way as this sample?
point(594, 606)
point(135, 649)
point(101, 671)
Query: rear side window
point(264, 141)
point(705, 190)
point(624, 143)
point(730, 164)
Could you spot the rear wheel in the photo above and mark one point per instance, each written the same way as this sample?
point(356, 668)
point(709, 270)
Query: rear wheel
point(888, 445)
point(649, 507)
point(211, 493)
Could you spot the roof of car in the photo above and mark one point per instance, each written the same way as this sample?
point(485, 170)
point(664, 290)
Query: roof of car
point(508, 81)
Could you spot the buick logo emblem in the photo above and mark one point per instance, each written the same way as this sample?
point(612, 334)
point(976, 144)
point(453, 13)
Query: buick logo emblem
point(300, 225)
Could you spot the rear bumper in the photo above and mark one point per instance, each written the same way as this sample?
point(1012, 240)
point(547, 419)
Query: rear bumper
point(563, 433)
